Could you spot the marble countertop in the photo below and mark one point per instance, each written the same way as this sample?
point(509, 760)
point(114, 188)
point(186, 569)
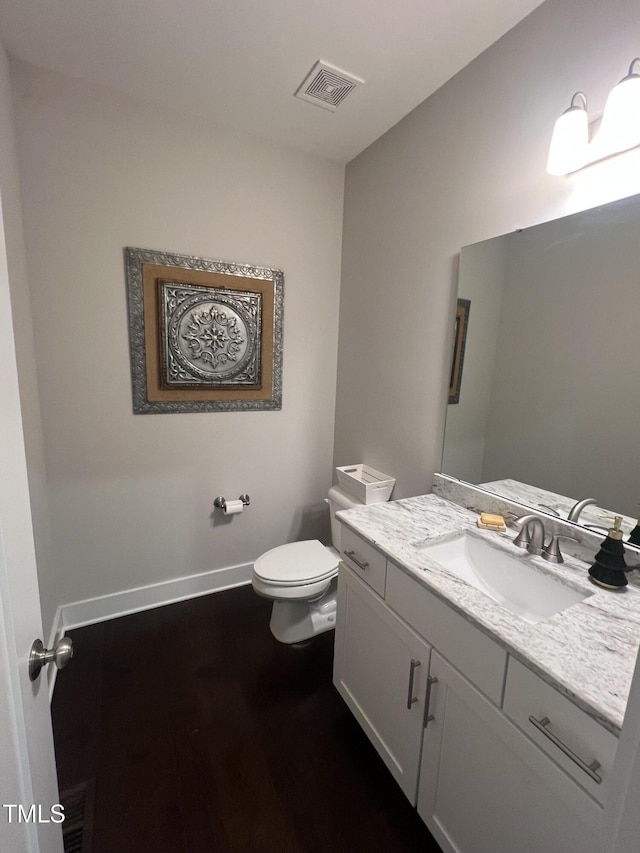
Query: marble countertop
point(592, 515)
point(587, 652)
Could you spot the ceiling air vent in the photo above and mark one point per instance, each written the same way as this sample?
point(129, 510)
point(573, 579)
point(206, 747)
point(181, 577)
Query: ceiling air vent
point(326, 86)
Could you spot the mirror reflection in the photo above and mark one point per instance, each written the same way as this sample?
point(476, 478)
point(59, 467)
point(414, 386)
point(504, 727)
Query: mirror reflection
point(549, 404)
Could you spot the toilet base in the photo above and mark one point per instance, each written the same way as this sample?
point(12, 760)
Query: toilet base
point(295, 621)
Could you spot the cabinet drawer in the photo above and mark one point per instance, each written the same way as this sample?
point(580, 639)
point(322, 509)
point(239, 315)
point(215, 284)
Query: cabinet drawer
point(481, 660)
point(568, 735)
point(363, 559)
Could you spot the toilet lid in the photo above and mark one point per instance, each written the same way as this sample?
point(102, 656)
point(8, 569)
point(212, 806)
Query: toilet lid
point(297, 562)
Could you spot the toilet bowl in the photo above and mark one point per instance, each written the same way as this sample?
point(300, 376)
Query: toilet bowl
point(301, 578)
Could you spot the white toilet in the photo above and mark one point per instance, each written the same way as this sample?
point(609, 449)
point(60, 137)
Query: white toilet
point(301, 578)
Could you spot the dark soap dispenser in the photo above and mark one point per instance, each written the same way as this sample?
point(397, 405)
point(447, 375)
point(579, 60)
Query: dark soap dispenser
point(609, 568)
point(634, 536)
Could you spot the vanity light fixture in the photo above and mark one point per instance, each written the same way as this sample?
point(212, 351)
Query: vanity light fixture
point(570, 141)
point(619, 129)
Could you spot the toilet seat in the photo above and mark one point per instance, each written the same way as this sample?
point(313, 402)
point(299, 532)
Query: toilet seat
point(297, 564)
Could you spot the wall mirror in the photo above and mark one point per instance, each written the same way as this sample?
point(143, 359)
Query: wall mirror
point(549, 404)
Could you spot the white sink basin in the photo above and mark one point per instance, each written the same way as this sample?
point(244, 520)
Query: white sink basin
point(510, 581)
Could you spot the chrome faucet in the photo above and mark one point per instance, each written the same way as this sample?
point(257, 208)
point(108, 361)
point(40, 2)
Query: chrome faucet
point(531, 535)
point(576, 509)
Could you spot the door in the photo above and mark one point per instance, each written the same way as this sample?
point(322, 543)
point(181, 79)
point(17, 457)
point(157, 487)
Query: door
point(380, 670)
point(27, 768)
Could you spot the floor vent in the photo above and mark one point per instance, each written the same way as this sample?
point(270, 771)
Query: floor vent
point(326, 86)
point(77, 829)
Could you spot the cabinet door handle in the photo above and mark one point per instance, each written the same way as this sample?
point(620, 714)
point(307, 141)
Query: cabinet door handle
point(410, 697)
point(589, 769)
point(352, 556)
point(431, 680)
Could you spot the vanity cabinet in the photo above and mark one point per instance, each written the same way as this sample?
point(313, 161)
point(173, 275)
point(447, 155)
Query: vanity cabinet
point(485, 788)
point(448, 711)
point(380, 669)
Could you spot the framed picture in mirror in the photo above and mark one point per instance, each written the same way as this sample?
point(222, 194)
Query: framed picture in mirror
point(457, 356)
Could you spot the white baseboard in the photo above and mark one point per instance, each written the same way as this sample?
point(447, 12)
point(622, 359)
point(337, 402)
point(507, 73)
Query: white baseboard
point(104, 607)
point(93, 610)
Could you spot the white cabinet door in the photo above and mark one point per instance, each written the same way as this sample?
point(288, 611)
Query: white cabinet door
point(485, 788)
point(380, 669)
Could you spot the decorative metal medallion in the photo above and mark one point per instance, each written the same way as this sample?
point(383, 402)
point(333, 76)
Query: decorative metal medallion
point(210, 337)
point(205, 335)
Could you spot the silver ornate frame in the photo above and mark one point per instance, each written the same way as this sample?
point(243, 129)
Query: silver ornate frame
point(134, 261)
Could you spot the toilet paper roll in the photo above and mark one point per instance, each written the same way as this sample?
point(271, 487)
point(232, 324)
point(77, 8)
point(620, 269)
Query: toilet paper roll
point(233, 507)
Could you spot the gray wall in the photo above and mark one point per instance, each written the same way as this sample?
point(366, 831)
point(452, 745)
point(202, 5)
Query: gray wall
point(132, 496)
point(466, 165)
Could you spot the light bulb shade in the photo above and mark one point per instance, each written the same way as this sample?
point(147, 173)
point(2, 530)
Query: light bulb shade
point(620, 127)
point(569, 142)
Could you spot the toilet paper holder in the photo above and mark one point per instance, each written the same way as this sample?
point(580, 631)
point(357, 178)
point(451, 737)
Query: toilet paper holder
point(221, 502)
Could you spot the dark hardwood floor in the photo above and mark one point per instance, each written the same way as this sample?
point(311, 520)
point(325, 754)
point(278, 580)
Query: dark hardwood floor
point(202, 733)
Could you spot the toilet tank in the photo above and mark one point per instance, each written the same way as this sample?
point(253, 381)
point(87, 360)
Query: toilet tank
point(338, 500)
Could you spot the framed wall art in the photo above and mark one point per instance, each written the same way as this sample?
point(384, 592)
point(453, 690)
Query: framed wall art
point(205, 335)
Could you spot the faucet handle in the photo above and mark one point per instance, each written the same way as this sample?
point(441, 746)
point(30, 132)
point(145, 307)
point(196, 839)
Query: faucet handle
point(551, 551)
point(550, 509)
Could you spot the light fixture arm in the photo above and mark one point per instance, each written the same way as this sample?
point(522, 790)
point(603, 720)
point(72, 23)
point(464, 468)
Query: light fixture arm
point(631, 72)
point(574, 106)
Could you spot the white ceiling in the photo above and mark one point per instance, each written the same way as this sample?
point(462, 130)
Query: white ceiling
point(238, 62)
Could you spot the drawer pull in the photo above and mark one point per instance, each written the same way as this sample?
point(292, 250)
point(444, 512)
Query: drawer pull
point(589, 769)
point(410, 697)
point(431, 679)
point(352, 556)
